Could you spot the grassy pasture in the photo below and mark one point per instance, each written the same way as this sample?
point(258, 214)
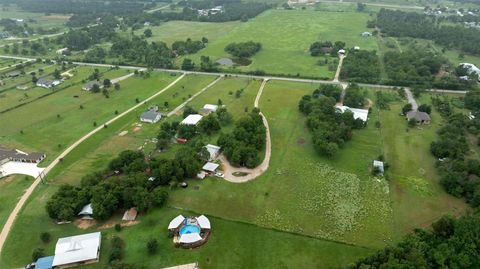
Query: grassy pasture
point(35, 20)
point(11, 188)
point(65, 121)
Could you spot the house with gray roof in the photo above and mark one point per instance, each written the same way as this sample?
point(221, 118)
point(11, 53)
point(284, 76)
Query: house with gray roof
point(419, 116)
point(47, 83)
point(89, 85)
point(150, 116)
point(14, 155)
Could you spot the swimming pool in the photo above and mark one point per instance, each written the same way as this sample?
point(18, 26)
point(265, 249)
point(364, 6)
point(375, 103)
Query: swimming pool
point(189, 229)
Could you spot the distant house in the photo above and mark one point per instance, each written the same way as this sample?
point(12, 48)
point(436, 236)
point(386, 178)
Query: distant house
point(62, 51)
point(22, 87)
point(86, 212)
point(14, 74)
point(89, 85)
point(47, 83)
point(4, 35)
point(150, 117)
point(419, 116)
point(366, 34)
point(341, 51)
point(356, 48)
point(192, 119)
point(210, 167)
point(358, 113)
point(213, 151)
point(379, 165)
point(225, 62)
point(130, 215)
point(14, 155)
point(77, 250)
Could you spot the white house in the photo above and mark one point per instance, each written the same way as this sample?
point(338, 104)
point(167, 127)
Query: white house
point(192, 119)
point(150, 117)
point(77, 250)
point(47, 83)
point(358, 113)
point(213, 151)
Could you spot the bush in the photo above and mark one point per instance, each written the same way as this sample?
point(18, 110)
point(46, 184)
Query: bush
point(37, 253)
point(152, 246)
point(45, 237)
point(118, 227)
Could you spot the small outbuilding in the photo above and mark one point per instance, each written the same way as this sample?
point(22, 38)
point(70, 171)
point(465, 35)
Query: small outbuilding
point(44, 263)
point(192, 119)
point(358, 113)
point(225, 62)
point(419, 116)
point(341, 51)
point(86, 212)
point(130, 215)
point(380, 166)
point(213, 150)
point(366, 34)
point(210, 167)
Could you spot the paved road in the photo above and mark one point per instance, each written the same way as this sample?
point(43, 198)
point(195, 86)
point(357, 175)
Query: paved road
point(157, 9)
point(11, 218)
point(301, 80)
point(251, 174)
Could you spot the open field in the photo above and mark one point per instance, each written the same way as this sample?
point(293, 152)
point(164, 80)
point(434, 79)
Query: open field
point(285, 35)
point(66, 120)
point(11, 188)
point(35, 20)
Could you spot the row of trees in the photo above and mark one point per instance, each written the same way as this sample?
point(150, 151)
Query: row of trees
point(243, 49)
point(243, 145)
point(417, 25)
point(330, 129)
point(318, 48)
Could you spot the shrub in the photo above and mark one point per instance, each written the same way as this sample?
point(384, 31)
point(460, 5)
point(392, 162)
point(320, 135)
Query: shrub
point(45, 237)
point(152, 246)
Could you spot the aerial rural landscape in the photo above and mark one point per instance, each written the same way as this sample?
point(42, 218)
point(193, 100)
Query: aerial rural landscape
point(194, 134)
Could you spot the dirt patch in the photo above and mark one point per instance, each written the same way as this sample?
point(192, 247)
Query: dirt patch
point(112, 223)
point(369, 103)
point(137, 129)
point(57, 17)
point(300, 141)
point(84, 223)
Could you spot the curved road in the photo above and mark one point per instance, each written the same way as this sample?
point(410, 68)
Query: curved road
point(11, 218)
point(229, 170)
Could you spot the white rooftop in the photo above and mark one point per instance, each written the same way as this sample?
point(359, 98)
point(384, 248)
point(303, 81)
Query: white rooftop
point(358, 113)
point(211, 107)
point(190, 238)
point(78, 248)
point(203, 222)
point(176, 222)
point(210, 167)
point(192, 119)
point(86, 210)
point(213, 150)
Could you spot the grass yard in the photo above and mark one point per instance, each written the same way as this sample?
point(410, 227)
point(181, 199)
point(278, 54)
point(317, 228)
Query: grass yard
point(11, 188)
point(412, 173)
point(286, 36)
point(302, 192)
point(65, 121)
point(35, 20)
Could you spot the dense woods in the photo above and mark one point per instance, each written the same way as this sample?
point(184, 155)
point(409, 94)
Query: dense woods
point(451, 243)
point(361, 66)
point(243, 145)
point(330, 129)
point(416, 25)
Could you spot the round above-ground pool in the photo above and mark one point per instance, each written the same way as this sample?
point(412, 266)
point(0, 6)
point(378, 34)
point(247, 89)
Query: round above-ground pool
point(189, 229)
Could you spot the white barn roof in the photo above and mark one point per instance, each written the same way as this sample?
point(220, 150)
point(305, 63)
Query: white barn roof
point(213, 151)
point(190, 238)
point(76, 249)
point(203, 222)
point(86, 210)
point(176, 222)
point(357, 112)
point(210, 167)
point(211, 107)
point(192, 119)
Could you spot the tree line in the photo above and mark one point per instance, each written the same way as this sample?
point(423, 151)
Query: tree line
point(411, 24)
point(83, 7)
point(361, 66)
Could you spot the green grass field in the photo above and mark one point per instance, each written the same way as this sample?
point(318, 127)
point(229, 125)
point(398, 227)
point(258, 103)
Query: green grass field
point(11, 188)
point(65, 121)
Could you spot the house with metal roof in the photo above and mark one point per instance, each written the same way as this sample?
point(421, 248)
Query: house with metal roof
point(419, 116)
point(150, 117)
point(89, 85)
point(47, 83)
point(192, 119)
point(213, 151)
point(77, 250)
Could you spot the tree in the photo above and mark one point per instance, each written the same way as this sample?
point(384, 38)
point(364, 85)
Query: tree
point(152, 246)
point(147, 33)
point(243, 49)
point(425, 108)
point(95, 88)
point(406, 108)
point(56, 74)
point(107, 83)
point(209, 124)
point(412, 122)
point(45, 237)
point(204, 40)
point(37, 253)
point(187, 64)
point(116, 86)
point(360, 7)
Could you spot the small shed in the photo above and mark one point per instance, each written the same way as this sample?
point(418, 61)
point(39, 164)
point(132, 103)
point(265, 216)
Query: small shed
point(210, 167)
point(130, 215)
point(341, 51)
point(86, 212)
point(379, 165)
point(366, 34)
point(201, 175)
point(213, 151)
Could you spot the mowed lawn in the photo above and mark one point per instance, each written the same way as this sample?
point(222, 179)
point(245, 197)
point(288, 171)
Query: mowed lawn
point(11, 188)
point(302, 192)
point(285, 35)
point(52, 123)
point(418, 198)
